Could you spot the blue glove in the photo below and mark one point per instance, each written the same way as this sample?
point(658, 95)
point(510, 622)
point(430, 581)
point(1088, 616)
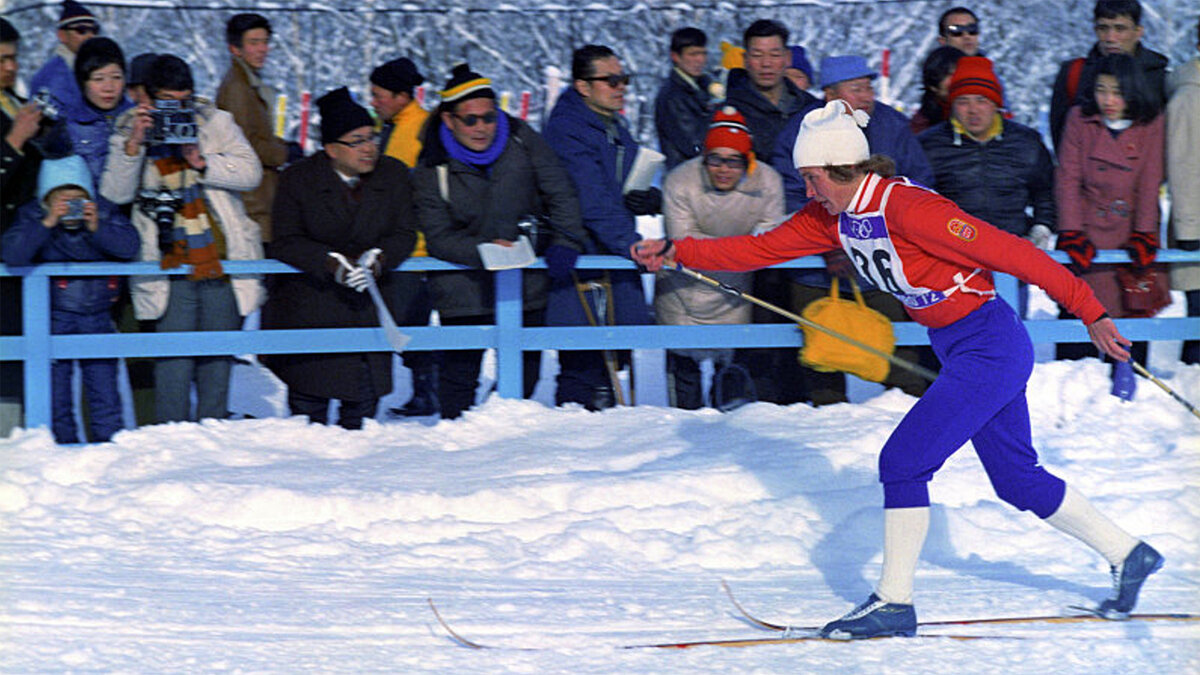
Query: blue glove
point(1124, 383)
point(560, 260)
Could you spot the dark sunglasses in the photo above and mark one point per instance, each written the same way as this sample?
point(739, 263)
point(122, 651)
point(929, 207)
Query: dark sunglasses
point(965, 29)
point(85, 29)
point(716, 161)
point(613, 81)
point(472, 120)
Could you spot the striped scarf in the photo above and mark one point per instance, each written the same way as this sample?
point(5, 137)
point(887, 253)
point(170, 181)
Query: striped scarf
point(192, 240)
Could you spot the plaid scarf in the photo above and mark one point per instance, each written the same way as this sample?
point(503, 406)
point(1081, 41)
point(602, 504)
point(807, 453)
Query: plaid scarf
point(192, 239)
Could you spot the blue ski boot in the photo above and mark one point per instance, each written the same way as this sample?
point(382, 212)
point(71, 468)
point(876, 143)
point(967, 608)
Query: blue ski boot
point(873, 618)
point(1141, 562)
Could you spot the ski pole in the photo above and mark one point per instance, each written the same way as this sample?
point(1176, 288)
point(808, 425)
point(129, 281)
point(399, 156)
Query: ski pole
point(395, 338)
point(895, 360)
point(1163, 385)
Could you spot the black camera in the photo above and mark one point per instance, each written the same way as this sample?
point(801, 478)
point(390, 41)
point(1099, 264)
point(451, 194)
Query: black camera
point(73, 219)
point(173, 123)
point(50, 107)
point(161, 205)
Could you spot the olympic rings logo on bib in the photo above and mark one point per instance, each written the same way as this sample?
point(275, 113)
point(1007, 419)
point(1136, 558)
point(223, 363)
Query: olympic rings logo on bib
point(962, 229)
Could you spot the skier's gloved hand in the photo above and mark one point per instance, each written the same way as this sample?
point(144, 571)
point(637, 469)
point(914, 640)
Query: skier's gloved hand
point(346, 274)
point(1080, 249)
point(560, 260)
point(371, 261)
point(838, 264)
point(646, 202)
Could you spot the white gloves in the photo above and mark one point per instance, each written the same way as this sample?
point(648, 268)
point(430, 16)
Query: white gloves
point(1040, 236)
point(349, 275)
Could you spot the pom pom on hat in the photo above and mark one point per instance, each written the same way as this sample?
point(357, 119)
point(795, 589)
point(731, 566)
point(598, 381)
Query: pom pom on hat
point(397, 75)
point(974, 75)
point(340, 114)
point(464, 84)
point(728, 130)
point(832, 136)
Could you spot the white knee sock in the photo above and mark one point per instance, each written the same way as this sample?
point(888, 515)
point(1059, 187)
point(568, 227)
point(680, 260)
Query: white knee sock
point(1077, 517)
point(904, 533)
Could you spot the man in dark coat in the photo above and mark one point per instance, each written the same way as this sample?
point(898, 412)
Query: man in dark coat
point(1118, 26)
point(339, 215)
point(481, 175)
point(684, 104)
point(760, 92)
point(589, 135)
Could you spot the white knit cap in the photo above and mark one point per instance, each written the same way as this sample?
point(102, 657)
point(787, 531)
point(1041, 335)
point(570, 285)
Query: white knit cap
point(831, 136)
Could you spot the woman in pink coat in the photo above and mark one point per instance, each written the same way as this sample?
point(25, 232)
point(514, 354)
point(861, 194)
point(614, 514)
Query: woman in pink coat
point(1110, 168)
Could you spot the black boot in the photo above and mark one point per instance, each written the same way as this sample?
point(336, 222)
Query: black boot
point(424, 399)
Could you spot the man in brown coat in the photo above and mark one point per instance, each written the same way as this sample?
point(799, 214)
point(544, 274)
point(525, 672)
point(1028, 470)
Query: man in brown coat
point(250, 101)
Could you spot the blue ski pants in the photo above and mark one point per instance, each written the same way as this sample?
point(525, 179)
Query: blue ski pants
point(979, 396)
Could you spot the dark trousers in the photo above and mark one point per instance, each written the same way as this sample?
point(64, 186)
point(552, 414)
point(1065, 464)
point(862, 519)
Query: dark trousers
point(351, 411)
point(1191, 348)
point(458, 375)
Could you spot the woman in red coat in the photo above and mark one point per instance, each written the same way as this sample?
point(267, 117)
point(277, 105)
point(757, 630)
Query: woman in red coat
point(1110, 168)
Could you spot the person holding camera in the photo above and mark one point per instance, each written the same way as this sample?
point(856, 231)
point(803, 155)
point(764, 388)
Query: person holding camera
point(67, 224)
point(185, 164)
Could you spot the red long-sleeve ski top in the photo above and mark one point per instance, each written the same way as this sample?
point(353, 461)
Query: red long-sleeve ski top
point(912, 242)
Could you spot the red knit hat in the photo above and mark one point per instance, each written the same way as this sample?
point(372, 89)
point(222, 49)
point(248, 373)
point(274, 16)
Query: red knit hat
point(728, 130)
point(974, 75)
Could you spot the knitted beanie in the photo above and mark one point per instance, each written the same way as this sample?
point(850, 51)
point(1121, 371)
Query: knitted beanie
point(397, 75)
point(464, 85)
point(8, 32)
point(831, 136)
point(728, 130)
point(800, 61)
point(74, 13)
point(974, 75)
point(61, 172)
point(340, 115)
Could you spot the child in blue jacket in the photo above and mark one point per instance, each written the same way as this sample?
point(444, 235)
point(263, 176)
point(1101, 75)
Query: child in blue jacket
point(68, 223)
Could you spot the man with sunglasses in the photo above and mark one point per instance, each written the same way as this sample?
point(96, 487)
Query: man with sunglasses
point(76, 25)
point(1119, 30)
point(344, 216)
point(721, 193)
point(958, 27)
point(591, 138)
point(485, 177)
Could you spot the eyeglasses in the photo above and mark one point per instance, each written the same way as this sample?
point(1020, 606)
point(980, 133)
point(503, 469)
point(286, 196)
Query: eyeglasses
point(615, 80)
point(963, 29)
point(717, 161)
point(472, 120)
point(373, 139)
point(85, 29)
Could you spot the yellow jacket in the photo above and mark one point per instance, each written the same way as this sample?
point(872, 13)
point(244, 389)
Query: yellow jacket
point(405, 144)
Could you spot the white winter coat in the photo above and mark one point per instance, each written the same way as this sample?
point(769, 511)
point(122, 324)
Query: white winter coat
point(692, 207)
point(232, 168)
point(1183, 166)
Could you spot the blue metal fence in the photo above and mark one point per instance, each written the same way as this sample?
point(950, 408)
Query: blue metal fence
point(37, 347)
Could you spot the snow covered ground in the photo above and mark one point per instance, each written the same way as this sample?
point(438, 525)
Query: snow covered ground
point(267, 545)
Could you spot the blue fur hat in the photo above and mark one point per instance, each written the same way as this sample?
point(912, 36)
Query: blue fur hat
point(69, 170)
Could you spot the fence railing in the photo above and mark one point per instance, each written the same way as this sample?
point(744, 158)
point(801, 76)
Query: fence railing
point(37, 347)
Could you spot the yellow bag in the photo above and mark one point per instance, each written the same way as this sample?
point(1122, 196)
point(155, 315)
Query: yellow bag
point(825, 353)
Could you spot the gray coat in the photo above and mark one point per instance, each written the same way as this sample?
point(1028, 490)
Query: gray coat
point(481, 206)
point(693, 208)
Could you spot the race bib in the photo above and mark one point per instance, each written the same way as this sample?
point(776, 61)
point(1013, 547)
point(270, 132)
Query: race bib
point(865, 239)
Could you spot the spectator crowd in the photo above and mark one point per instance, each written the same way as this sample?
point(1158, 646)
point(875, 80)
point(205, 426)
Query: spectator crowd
point(112, 158)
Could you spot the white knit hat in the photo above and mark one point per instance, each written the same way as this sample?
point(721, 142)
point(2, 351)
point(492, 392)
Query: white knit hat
point(831, 136)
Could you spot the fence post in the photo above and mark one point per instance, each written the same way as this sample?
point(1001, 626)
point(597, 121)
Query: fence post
point(35, 321)
point(509, 371)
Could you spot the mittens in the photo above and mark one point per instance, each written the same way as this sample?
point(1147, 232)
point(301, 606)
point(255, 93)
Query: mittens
point(1142, 247)
point(1078, 247)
